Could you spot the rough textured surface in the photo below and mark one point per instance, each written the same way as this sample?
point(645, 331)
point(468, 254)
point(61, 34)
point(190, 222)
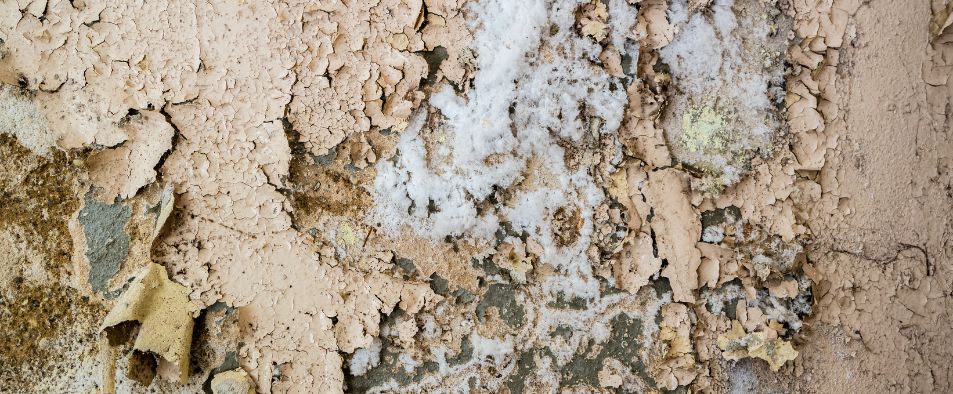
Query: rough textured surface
point(162, 309)
point(107, 243)
point(476, 196)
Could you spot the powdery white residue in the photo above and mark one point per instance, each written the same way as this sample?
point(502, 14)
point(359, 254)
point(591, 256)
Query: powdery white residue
point(742, 378)
point(365, 359)
point(713, 234)
point(621, 21)
point(774, 310)
point(718, 67)
point(405, 188)
point(722, 297)
point(703, 49)
point(537, 83)
point(531, 214)
point(407, 362)
point(496, 349)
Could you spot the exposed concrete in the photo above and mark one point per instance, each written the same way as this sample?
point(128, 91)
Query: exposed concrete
point(107, 243)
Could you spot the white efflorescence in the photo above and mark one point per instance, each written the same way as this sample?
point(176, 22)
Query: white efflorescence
point(490, 348)
point(537, 84)
point(365, 359)
point(713, 234)
point(722, 69)
point(622, 20)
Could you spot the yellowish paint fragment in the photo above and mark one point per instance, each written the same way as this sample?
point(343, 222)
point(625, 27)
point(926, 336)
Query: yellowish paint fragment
point(347, 234)
point(235, 381)
point(513, 257)
point(677, 367)
point(942, 20)
point(162, 308)
point(701, 128)
point(594, 22)
point(166, 202)
point(737, 344)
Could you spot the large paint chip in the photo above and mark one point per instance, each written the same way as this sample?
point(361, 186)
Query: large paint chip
point(123, 170)
point(942, 20)
point(677, 229)
point(162, 308)
point(736, 345)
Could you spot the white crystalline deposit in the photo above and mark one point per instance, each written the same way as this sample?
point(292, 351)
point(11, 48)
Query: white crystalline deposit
point(536, 83)
point(721, 113)
point(365, 359)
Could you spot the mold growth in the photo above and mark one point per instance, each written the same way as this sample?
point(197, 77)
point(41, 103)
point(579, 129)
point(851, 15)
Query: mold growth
point(727, 68)
point(537, 87)
point(38, 195)
point(477, 196)
point(46, 328)
point(49, 327)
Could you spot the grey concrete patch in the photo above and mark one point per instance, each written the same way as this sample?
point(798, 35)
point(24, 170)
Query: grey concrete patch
point(406, 265)
point(502, 297)
point(525, 365)
point(390, 369)
point(564, 302)
point(622, 345)
point(107, 243)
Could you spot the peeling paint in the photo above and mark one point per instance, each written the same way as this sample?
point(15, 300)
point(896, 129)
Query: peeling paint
point(476, 196)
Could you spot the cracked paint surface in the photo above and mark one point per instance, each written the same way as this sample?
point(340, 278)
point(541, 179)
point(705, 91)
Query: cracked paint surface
point(476, 196)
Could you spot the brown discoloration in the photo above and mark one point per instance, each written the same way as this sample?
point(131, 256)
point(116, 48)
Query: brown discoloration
point(566, 223)
point(39, 195)
point(847, 204)
point(40, 320)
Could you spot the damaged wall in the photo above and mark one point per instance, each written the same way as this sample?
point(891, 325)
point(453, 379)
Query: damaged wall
point(486, 196)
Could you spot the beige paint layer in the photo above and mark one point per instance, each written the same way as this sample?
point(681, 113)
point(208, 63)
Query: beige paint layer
point(164, 313)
